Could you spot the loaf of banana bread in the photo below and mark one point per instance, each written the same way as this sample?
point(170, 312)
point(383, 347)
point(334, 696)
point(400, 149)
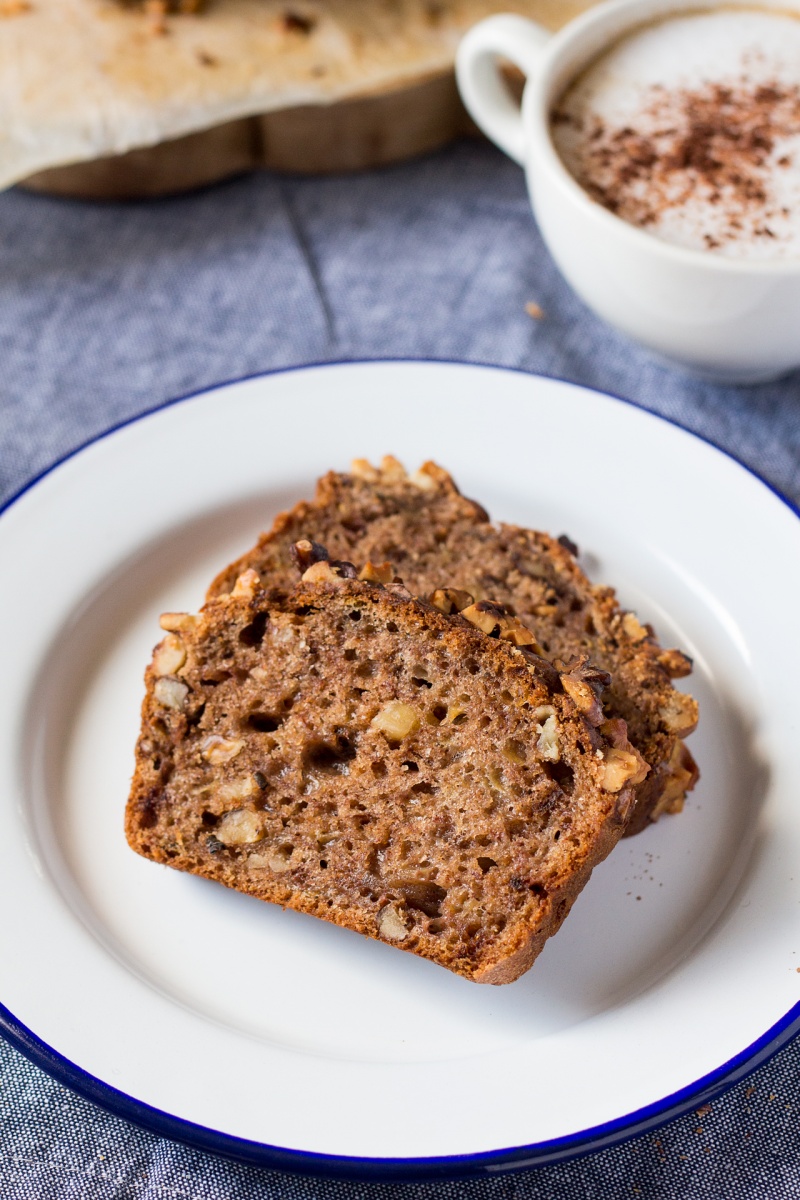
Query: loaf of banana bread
point(435, 536)
point(413, 771)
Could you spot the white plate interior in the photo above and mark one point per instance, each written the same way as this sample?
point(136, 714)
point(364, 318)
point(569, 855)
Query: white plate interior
point(268, 1024)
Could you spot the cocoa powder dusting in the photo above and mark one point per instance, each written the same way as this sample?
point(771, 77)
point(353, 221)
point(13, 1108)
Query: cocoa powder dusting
point(714, 145)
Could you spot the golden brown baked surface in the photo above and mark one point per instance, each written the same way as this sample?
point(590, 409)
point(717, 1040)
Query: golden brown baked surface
point(436, 537)
point(346, 750)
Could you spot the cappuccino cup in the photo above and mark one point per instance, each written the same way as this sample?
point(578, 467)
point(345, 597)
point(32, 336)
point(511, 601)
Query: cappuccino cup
point(727, 306)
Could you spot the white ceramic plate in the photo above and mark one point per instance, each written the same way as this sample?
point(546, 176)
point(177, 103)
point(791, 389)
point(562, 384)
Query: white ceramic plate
point(273, 1037)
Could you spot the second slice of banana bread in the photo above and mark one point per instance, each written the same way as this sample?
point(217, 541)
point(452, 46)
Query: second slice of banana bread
point(435, 537)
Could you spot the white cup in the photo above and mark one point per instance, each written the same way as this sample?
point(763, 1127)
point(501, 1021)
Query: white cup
point(731, 320)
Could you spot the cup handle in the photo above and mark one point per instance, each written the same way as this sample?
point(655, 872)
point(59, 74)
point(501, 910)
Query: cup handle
point(483, 90)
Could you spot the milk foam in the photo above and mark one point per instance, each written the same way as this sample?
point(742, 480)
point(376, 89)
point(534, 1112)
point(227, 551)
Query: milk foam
point(642, 89)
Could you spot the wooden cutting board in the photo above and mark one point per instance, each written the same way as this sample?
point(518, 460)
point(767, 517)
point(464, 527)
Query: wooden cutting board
point(350, 135)
point(362, 123)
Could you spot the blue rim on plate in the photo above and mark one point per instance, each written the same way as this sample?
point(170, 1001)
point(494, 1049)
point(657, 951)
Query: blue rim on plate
point(299, 1162)
point(302, 1162)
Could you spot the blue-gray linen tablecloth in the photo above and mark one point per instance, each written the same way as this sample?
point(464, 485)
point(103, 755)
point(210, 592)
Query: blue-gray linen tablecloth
point(106, 311)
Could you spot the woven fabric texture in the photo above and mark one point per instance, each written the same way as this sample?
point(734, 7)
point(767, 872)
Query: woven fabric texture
point(107, 311)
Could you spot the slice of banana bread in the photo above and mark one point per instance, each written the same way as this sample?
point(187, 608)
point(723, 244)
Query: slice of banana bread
point(346, 750)
point(433, 534)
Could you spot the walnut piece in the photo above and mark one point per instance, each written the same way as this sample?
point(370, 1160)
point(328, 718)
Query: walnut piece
point(585, 684)
point(246, 585)
point(424, 480)
point(278, 861)
point(621, 767)
point(547, 729)
point(238, 789)
point(218, 750)
point(170, 692)
point(376, 573)
point(178, 622)
point(683, 775)
point(519, 635)
point(390, 470)
point(397, 721)
point(487, 617)
point(675, 663)
point(493, 620)
point(584, 698)
point(239, 828)
point(329, 572)
point(679, 715)
point(391, 925)
point(450, 600)
point(321, 572)
point(622, 763)
point(633, 628)
point(362, 468)
point(169, 656)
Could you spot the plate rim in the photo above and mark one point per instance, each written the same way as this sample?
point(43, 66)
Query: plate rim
point(350, 1167)
point(310, 1163)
